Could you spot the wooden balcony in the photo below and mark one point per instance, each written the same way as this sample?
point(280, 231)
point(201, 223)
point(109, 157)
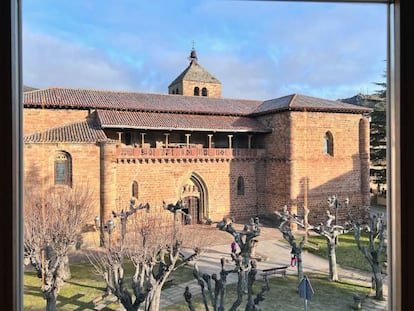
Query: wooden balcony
point(130, 153)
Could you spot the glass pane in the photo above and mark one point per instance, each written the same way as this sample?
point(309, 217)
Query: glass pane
point(274, 84)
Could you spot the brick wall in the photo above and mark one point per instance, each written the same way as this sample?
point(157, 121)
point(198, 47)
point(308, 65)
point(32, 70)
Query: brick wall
point(214, 89)
point(38, 172)
point(35, 119)
point(162, 180)
point(296, 170)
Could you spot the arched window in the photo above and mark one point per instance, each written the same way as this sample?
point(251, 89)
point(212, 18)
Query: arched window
point(135, 189)
point(63, 169)
point(204, 92)
point(240, 185)
point(176, 90)
point(328, 144)
point(196, 91)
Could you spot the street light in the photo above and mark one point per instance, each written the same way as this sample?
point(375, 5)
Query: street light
point(109, 227)
point(334, 203)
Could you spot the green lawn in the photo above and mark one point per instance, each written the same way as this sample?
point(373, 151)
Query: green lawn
point(283, 295)
point(84, 286)
point(347, 253)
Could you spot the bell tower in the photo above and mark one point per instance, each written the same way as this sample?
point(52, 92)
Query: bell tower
point(195, 81)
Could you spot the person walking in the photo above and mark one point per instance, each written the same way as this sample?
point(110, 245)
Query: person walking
point(233, 247)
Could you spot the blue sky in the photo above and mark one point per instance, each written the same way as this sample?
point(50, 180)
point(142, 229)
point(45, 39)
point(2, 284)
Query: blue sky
point(257, 49)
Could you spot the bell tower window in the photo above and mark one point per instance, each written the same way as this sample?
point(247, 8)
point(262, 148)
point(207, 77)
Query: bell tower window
point(196, 91)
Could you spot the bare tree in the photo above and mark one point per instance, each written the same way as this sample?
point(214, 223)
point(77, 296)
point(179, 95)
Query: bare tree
point(244, 266)
point(154, 246)
point(53, 224)
point(285, 228)
point(330, 232)
point(376, 228)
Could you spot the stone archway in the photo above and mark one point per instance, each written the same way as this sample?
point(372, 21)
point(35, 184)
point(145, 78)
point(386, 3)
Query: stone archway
point(194, 197)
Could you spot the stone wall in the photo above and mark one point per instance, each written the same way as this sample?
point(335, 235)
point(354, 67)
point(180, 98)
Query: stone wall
point(163, 180)
point(38, 173)
point(40, 119)
point(297, 171)
point(214, 89)
point(294, 169)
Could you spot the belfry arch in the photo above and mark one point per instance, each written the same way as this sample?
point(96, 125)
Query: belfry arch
point(195, 198)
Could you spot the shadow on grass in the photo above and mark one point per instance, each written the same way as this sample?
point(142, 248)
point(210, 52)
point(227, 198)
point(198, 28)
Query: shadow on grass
point(100, 288)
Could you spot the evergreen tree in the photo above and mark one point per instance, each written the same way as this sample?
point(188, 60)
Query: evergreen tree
point(378, 138)
point(378, 135)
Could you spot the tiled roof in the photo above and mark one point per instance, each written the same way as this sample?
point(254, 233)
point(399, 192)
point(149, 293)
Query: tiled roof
point(174, 121)
point(195, 72)
point(86, 131)
point(309, 103)
point(98, 99)
point(66, 98)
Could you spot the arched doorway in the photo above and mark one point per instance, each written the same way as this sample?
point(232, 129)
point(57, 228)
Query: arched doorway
point(194, 197)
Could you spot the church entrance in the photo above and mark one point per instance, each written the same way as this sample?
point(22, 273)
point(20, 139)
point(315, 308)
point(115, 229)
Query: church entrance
point(192, 208)
point(193, 197)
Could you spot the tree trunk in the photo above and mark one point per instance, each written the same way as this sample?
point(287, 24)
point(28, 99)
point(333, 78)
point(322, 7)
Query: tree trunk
point(51, 303)
point(333, 272)
point(152, 303)
point(240, 290)
point(67, 275)
point(300, 268)
point(378, 282)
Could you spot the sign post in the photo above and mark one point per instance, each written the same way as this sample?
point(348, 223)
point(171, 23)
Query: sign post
point(305, 291)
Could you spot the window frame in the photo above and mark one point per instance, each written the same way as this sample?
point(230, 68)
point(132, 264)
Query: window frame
point(67, 165)
point(134, 189)
point(204, 92)
point(196, 91)
point(400, 95)
point(240, 186)
point(328, 144)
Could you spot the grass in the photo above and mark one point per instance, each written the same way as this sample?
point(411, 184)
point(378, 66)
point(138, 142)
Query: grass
point(84, 286)
point(283, 295)
point(347, 253)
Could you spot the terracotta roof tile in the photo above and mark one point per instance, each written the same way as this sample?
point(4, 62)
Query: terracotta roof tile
point(133, 101)
point(96, 99)
point(87, 131)
point(303, 102)
point(174, 121)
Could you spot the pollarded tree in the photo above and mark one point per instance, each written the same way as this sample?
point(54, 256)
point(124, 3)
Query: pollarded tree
point(330, 232)
point(285, 228)
point(53, 224)
point(154, 245)
point(244, 266)
point(375, 227)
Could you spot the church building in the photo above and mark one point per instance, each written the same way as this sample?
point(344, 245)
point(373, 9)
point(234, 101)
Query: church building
point(222, 157)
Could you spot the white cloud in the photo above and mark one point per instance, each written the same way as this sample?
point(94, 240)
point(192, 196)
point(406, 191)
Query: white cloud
point(329, 52)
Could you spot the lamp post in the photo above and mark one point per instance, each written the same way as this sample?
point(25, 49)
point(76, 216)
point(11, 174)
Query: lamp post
point(123, 216)
point(334, 203)
point(109, 227)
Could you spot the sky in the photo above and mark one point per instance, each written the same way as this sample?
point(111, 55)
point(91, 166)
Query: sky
point(257, 49)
